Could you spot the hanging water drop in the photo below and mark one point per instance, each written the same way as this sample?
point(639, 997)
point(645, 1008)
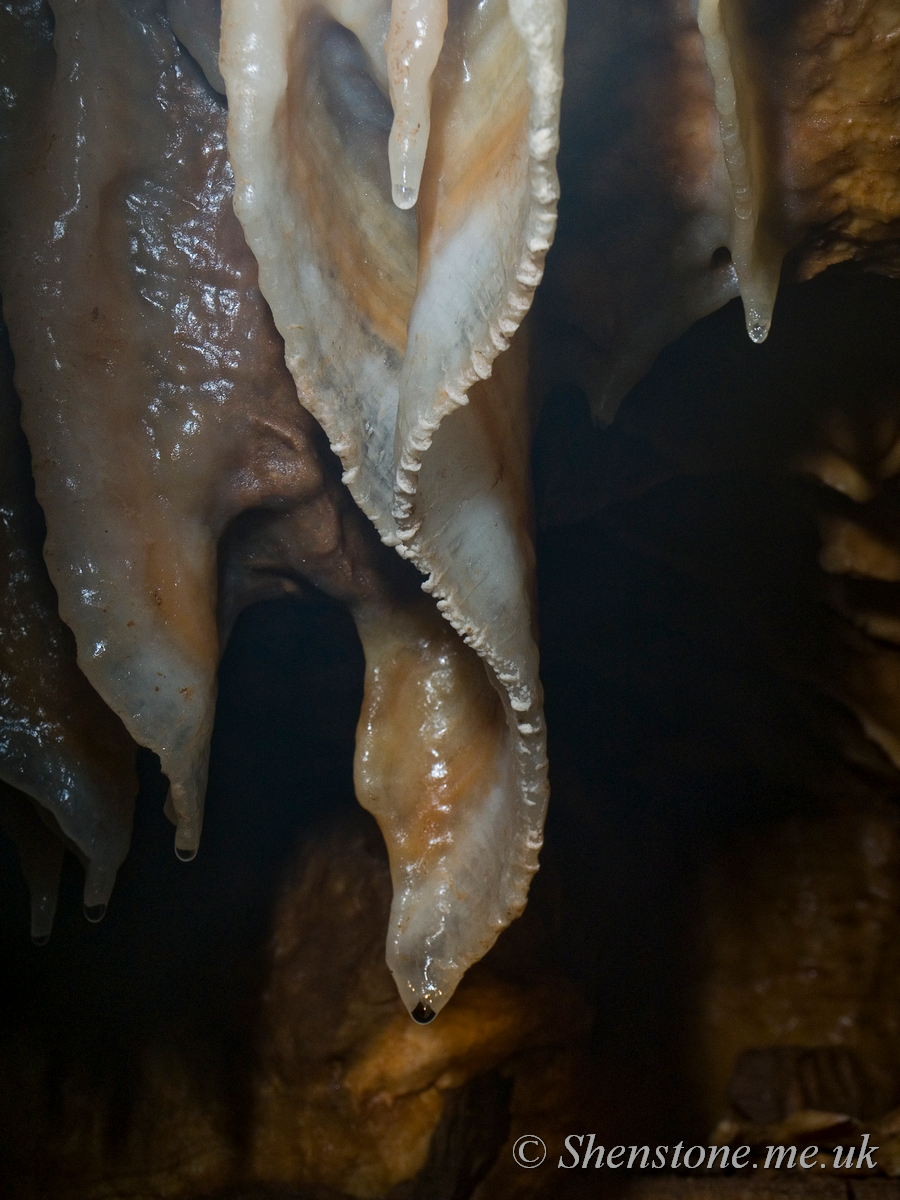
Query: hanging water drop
point(423, 1014)
point(758, 330)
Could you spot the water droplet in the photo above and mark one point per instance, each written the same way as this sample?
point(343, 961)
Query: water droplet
point(95, 912)
point(404, 197)
point(423, 1013)
point(184, 854)
point(759, 331)
point(40, 939)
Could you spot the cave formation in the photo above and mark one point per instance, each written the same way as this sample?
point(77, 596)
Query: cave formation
point(709, 944)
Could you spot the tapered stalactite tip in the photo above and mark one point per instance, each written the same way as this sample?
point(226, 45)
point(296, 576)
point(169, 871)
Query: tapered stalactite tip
point(404, 196)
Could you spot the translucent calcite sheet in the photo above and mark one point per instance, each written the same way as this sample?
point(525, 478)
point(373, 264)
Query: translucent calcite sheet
point(398, 329)
point(163, 422)
point(646, 208)
point(114, 343)
point(59, 743)
point(645, 196)
point(154, 391)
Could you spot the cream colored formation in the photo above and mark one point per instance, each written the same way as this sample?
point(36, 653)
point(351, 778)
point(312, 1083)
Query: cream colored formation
point(412, 48)
point(755, 253)
point(394, 177)
point(441, 470)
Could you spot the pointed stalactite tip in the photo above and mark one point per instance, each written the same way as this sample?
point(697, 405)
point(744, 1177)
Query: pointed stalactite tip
point(404, 196)
point(423, 1014)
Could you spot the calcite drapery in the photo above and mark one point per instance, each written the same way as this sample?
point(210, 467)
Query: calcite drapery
point(634, 292)
point(387, 326)
point(154, 392)
point(646, 205)
point(59, 744)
